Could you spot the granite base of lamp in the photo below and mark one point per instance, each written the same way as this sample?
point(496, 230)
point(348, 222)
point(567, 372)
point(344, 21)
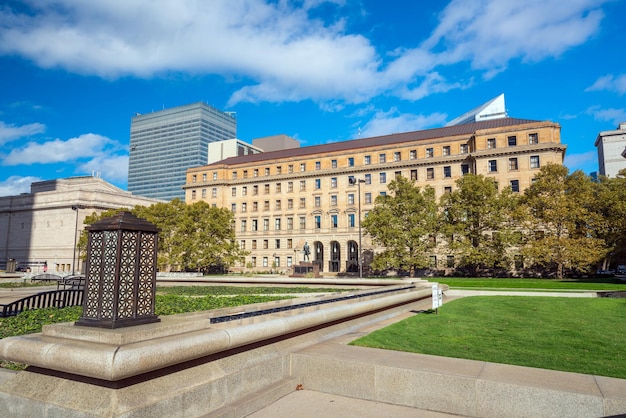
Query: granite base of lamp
point(306, 269)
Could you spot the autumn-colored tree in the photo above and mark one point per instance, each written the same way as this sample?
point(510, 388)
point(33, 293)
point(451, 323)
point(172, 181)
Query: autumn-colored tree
point(403, 222)
point(611, 204)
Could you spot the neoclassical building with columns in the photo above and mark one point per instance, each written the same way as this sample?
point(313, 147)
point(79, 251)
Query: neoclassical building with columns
point(318, 194)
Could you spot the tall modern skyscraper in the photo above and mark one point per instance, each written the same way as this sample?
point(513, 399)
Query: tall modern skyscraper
point(164, 144)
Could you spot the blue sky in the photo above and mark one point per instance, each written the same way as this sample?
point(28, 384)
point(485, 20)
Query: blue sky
point(74, 72)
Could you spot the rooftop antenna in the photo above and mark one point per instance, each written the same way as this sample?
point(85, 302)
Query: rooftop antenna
point(231, 113)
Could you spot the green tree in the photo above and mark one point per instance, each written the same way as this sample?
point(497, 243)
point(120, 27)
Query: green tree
point(478, 222)
point(559, 214)
point(403, 222)
point(611, 204)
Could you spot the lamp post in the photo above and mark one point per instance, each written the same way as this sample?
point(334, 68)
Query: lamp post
point(75, 208)
point(358, 182)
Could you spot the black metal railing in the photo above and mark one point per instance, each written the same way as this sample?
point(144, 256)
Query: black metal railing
point(50, 299)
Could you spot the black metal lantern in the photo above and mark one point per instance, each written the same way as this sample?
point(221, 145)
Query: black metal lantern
point(120, 285)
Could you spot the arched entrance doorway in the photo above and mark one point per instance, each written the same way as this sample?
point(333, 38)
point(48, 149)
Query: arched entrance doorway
point(352, 263)
point(318, 254)
point(335, 257)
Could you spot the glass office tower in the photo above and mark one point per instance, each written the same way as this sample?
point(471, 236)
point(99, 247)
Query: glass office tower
point(164, 144)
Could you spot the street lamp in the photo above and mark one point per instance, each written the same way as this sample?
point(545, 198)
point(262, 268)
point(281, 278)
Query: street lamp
point(75, 234)
point(353, 181)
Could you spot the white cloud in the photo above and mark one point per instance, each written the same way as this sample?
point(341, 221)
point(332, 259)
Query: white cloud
point(84, 146)
point(280, 53)
point(609, 83)
point(615, 116)
point(580, 161)
point(385, 123)
point(111, 168)
point(11, 132)
point(15, 185)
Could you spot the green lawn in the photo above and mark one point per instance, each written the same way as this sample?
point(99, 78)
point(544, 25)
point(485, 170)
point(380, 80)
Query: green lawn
point(240, 290)
point(545, 284)
point(582, 335)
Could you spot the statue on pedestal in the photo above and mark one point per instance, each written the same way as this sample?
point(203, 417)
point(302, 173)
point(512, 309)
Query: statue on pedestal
point(306, 251)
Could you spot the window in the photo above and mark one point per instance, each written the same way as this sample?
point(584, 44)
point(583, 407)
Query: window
point(397, 174)
point(289, 224)
point(512, 140)
point(244, 191)
point(244, 207)
point(266, 205)
point(433, 261)
point(255, 206)
point(333, 200)
point(203, 176)
point(245, 174)
point(413, 154)
point(518, 260)
point(289, 203)
point(382, 158)
point(318, 165)
point(533, 139)
point(368, 179)
point(446, 150)
point(279, 170)
point(367, 160)
point(333, 221)
point(429, 153)
point(289, 243)
point(215, 175)
point(492, 166)
point(318, 201)
point(351, 220)
point(193, 194)
point(450, 261)
point(278, 205)
point(383, 178)
point(350, 198)
point(289, 262)
point(513, 164)
point(277, 243)
point(465, 169)
point(464, 148)
point(447, 171)
point(368, 198)
point(233, 191)
point(430, 173)
point(397, 156)
point(413, 174)
point(333, 182)
point(276, 261)
point(290, 168)
point(254, 244)
point(253, 261)
point(266, 188)
point(302, 203)
point(243, 225)
point(318, 221)
point(266, 224)
point(302, 166)
point(333, 163)
point(255, 190)
point(383, 193)
point(302, 222)
point(290, 186)
point(267, 171)
point(350, 161)
point(203, 193)
point(515, 186)
point(302, 185)
point(279, 187)
point(318, 184)
point(233, 207)
point(264, 261)
point(214, 192)
point(255, 225)
point(447, 189)
point(255, 173)
point(193, 178)
point(534, 161)
point(491, 143)
point(234, 175)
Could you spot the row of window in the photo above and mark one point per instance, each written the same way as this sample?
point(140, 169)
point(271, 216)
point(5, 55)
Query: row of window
point(535, 162)
point(275, 264)
point(278, 224)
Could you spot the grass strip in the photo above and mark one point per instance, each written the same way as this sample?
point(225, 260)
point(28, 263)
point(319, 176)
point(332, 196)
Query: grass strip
point(531, 284)
point(240, 290)
point(570, 334)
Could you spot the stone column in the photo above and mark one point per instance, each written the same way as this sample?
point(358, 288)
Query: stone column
point(120, 284)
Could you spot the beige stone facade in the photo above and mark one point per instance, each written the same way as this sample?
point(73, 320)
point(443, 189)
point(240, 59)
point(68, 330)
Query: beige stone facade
point(284, 199)
point(38, 228)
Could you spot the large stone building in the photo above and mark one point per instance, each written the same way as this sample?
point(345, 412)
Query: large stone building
point(284, 199)
point(611, 147)
point(40, 228)
point(165, 143)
